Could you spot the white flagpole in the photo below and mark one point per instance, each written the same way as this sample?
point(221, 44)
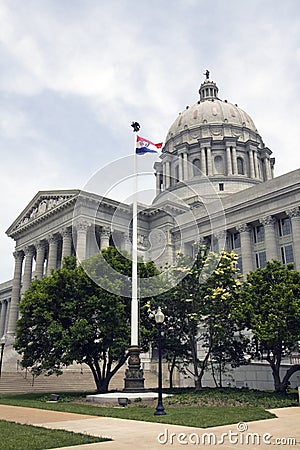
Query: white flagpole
point(134, 294)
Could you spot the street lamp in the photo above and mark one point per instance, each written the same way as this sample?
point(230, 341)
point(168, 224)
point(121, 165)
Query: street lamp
point(2, 350)
point(159, 319)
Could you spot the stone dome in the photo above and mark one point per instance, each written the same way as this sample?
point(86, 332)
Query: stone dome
point(215, 141)
point(211, 110)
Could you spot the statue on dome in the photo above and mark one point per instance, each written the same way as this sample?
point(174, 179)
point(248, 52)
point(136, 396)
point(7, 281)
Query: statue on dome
point(206, 74)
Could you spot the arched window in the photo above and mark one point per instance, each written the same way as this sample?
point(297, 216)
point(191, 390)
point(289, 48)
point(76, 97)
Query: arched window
point(219, 164)
point(240, 166)
point(196, 167)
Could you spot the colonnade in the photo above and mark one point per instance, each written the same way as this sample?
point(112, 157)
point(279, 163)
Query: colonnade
point(173, 170)
point(47, 254)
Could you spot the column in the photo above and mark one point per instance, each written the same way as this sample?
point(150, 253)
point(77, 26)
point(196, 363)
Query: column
point(270, 237)
point(105, 235)
point(203, 162)
point(127, 243)
point(252, 175)
point(180, 166)
point(66, 242)
point(229, 164)
point(209, 162)
point(81, 228)
point(3, 317)
point(255, 164)
point(40, 259)
point(246, 247)
point(294, 215)
point(268, 169)
point(185, 167)
point(168, 174)
point(52, 255)
point(158, 185)
point(27, 276)
point(234, 161)
point(15, 294)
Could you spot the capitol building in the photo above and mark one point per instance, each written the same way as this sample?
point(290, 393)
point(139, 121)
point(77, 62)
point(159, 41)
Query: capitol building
point(214, 183)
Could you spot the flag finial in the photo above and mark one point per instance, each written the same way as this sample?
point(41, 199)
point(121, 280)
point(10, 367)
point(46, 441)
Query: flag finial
point(136, 126)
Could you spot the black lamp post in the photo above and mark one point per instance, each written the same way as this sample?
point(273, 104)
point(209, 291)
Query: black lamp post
point(2, 350)
point(159, 319)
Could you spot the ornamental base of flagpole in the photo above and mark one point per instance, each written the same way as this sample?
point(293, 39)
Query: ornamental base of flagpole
point(134, 375)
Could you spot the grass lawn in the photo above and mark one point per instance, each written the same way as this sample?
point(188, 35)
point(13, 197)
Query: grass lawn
point(207, 408)
point(37, 438)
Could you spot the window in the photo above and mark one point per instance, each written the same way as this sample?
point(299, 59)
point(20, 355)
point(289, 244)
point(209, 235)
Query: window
point(176, 174)
point(196, 167)
point(287, 254)
point(259, 234)
point(234, 241)
point(221, 186)
point(239, 264)
point(285, 226)
point(219, 165)
point(260, 258)
point(240, 166)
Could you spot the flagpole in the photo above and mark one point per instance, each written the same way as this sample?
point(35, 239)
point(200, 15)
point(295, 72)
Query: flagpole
point(134, 374)
point(134, 293)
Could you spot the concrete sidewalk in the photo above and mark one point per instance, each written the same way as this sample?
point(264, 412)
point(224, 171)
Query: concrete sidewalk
point(130, 434)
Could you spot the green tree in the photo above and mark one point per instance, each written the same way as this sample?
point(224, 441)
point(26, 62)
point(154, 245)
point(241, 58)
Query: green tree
point(270, 308)
point(199, 313)
point(68, 318)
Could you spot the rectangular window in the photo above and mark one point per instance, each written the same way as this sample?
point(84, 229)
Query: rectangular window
point(259, 234)
point(239, 264)
point(285, 227)
point(287, 254)
point(233, 241)
point(221, 186)
point(260, 258)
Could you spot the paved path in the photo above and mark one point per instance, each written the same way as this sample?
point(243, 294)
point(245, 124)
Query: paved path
point(131, 434)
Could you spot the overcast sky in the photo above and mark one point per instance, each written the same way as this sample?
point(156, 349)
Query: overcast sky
point(75, 73)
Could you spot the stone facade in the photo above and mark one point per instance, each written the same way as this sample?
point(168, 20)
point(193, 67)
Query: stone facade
point(214, 183)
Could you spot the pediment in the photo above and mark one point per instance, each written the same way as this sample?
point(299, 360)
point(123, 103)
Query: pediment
point(44, 203)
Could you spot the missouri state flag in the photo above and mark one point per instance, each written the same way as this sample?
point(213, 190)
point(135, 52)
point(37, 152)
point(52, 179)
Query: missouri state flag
point(145, 146)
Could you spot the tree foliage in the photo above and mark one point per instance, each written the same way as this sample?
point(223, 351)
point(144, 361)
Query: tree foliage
point(199, 324)
point(68, 318)
point(270, 308)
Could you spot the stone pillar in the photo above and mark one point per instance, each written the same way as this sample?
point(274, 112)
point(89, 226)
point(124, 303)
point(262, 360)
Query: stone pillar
point(185, 167)
point(105, 235)
point(268, 169)
point(180, 167)
point(15, 294)
point(270, 237)
point(209, 162)
point(294, 215)
point(252, 175)
point(127, 243)
point(158, 189)
point(52, 255)
point(203, 161)
point(229, 163)
point(164, 176)
point(81, 228)
point(234, 161)
point(66, 243)
point(3, 317)
point(255, 164)
point(40, 259)
point(246, 247)
point(27, 276)
point(168, 174)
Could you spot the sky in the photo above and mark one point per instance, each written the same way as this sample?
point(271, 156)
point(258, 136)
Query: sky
point(74, 74)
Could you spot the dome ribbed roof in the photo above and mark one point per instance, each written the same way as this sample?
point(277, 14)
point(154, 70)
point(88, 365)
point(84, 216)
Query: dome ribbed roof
point(211, 110)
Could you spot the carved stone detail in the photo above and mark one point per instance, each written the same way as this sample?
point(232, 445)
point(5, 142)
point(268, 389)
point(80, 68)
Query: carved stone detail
point(267, 220)
point(243, 228)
